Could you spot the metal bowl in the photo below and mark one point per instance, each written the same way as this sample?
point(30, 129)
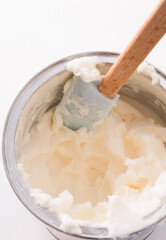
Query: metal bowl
point(44, 91)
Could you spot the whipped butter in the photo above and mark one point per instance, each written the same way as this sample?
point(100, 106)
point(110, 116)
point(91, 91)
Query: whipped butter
point(113, 176)
point(85, 68)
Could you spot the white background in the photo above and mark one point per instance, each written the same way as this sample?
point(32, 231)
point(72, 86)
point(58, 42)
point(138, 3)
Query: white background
point(35, 33)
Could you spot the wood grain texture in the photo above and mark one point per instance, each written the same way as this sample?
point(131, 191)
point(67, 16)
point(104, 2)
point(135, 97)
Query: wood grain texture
point(141, 45)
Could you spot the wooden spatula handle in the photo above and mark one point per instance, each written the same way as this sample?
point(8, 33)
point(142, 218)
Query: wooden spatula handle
point(145, 40)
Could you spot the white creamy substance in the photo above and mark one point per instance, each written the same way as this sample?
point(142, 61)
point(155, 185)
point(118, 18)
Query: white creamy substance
point(85, 68)
point(113, 176)
point(149, 71)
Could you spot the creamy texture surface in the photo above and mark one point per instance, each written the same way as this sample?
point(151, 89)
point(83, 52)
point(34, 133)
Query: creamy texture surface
point(85, 68)
point(149, 71)
point(113, 176)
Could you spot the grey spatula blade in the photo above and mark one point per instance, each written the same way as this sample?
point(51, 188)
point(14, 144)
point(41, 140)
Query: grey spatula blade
point(84, 106)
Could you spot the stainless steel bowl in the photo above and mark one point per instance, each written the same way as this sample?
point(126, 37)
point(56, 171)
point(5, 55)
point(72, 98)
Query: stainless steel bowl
point(44, 91)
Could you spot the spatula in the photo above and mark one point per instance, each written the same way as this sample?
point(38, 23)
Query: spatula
point(87, 104)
